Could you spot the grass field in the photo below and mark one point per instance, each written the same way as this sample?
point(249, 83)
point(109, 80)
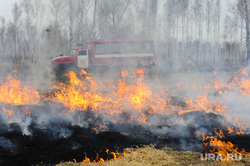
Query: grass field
point(149, 156)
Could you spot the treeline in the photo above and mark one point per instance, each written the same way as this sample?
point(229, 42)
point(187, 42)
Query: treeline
point(209, 31)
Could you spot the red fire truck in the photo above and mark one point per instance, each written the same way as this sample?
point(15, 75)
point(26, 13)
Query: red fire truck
point(99, 55)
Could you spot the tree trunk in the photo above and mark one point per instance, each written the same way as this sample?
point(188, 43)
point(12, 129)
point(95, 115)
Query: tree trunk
point(247, 32)
point(94, 20)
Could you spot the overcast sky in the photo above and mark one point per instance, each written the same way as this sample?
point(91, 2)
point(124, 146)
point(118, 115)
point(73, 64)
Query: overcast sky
point(6, 7)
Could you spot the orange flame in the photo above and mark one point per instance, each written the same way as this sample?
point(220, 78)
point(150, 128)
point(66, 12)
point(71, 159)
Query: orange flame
point(201, 103)
point(114, 156)
point(76, 95)
point(216, 146)
point(13, 92)
point(8, 112)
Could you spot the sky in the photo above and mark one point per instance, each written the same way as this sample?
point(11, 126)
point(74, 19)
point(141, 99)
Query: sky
point(6, 7)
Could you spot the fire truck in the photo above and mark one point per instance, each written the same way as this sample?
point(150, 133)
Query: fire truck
point(98, 55)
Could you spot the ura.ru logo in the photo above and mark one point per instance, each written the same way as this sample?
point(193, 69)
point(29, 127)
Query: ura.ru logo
point(220, 157)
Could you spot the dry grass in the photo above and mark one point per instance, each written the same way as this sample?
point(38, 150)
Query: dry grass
point(149, 156)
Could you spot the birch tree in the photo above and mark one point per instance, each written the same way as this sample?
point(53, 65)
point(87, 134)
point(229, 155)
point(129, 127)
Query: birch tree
point(183, 10)
point(53, 38)
point(2, 38)
point(216, 18)
point(148, 17)
point(27, 6)
point(16, 27)
point(241, 9)
point(171, 15)
point(82, 25)
point(198, 17)
point(115, 19)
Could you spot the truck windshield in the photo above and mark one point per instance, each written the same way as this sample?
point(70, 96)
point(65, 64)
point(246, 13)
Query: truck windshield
point(73, 52)
point(82, 52)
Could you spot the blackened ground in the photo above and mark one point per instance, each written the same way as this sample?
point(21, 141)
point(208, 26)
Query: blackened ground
point(46, 146)
point(39, 149)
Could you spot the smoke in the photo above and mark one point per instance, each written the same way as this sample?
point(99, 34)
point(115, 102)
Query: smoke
point(238, 105)
point(174, 85)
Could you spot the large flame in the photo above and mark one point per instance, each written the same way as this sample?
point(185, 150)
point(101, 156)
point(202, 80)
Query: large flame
point(13, 92)
point(76, 94)
point(133, 98)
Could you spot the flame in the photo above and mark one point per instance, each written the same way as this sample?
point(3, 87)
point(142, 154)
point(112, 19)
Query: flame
point(201, 103)
point(132, 96)
point(240, 83)
point(136, 97)
point(245, 86)
point(139, 71)
point(13, 92)
point(8, 112)
point(113, 156)
point(213, 145)
point(237, 128)
point(219, 132)
point(243, 72)
point(76, 95)
point(221, 86)
point(221, 147)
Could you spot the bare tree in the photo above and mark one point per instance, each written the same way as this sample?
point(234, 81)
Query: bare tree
point(198, 18)
point(115, 19)
point(83, 9)
point(3, 38)
point(53, 37)
point(27, 6)
point(94, 20)
point(76, 12)
point(148, 16)
point(56, 9)
point(247, 22)
point(183, 10)
point(241, 10)
point(171, 15)
point(217, 26)
point(189, 27)
point(16, 25)
point(208, 27)
point(71, 8)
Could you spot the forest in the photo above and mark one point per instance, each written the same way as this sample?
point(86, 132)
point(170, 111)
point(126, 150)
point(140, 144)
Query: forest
point(209, 31)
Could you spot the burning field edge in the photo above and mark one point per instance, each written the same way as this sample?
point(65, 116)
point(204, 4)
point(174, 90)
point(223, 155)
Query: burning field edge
point(149, 155)
point(87, 116)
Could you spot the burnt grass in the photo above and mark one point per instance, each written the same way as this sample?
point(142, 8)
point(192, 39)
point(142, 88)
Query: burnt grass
point(47, 147)
point(43, 149)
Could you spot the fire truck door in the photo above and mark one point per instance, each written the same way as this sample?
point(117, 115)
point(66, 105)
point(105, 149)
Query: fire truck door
point(83, 59)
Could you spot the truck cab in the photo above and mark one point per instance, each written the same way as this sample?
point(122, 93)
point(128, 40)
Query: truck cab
point(77, 59)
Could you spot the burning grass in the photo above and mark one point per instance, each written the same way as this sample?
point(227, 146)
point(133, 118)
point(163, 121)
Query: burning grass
point(149, 156)
point(147, 112)
point(13, 92)
point(141, 156)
